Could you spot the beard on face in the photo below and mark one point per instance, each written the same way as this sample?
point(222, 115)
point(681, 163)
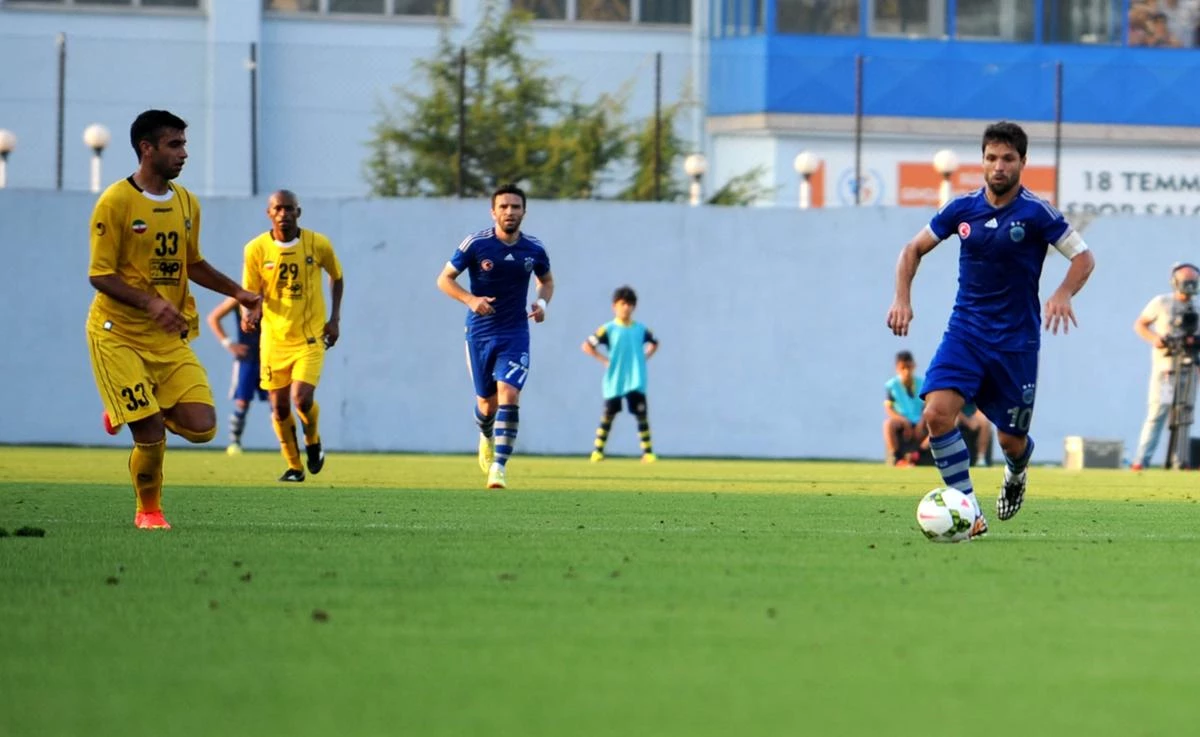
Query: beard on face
point(509, 228)
point(1003, 188)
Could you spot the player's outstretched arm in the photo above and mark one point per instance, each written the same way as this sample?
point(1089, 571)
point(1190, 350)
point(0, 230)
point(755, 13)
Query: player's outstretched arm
point(333, 327)
point(590, 349)
point(545, 291)
point(1058, 307)
point(901, 312)
point(159, 309)
point(229, 304)
point(204, 274)
point(447, 281)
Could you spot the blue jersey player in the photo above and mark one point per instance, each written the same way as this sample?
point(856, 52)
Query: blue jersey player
point(628, 344)
point(245, 387)
point(989, 351)
point(499, 262)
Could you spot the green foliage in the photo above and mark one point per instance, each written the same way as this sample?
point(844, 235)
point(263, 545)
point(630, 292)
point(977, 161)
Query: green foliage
point(521, 127)
point(672, 148)
point(744, 189)
point(518, 127)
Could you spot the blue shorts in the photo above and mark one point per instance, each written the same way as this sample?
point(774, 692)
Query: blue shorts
point(1003, 384)
point(491, 360)
point(245, 382)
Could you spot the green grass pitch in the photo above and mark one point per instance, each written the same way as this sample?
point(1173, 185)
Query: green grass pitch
point(392, 595)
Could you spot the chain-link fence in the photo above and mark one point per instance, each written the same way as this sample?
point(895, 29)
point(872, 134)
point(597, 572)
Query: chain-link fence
point(299, 115)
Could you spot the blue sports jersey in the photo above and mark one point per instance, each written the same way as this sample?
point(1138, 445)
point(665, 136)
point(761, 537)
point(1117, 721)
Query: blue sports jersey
point(249, 339)
point(909, 406)
point(497, 269)
point(999, 266)
point(626, 356)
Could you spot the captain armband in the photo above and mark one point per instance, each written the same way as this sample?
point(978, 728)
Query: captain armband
point(1071, 245)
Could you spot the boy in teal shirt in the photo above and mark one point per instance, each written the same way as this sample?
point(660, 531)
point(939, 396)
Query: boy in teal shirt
point(628, 344)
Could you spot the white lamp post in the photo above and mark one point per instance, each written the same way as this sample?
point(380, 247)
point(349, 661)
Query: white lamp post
point(96, 137)
point(806, 164)
point(695, 166)
point(945, 162)
point(8, 141)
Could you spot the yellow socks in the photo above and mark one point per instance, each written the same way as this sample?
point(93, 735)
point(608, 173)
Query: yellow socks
point(309, 421)
point(146, 471)
point(285, 430)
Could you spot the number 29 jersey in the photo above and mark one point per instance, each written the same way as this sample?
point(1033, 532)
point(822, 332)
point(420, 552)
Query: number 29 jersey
point(288, 276)
point(148, 241)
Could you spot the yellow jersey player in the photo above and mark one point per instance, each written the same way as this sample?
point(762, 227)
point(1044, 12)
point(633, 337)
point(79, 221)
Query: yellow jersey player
point(284, 266)
point(145, 246)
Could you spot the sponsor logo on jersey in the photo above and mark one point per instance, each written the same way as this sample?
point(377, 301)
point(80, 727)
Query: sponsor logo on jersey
point(529, 264)
point(509, 257)
point(139, 226)
point(165, 271)
point(164, 209)
point(486, 264)
point(991, 224)
point(964, 230)
point(1017, 232)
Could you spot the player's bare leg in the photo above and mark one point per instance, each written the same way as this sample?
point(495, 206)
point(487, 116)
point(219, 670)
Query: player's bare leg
point(303, 396)
point(285, 430)
point(507, 419)
point(949, 449)
point(485, 417)
point(146, 471)
point(1017, 451)
point(195, 422)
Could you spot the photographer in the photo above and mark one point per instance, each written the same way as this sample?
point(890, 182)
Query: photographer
point(1168, 324)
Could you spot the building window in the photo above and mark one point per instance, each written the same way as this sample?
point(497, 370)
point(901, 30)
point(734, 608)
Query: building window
point(1006, 20)
point(666, 11)
point(1080, 21)
point(908, 18)
point(359, 7)
point(818, 17)
point(610, 11)
point(183, 4)
point(543, 9)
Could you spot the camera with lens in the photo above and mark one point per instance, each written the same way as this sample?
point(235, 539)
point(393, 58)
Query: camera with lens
point(1185, 321)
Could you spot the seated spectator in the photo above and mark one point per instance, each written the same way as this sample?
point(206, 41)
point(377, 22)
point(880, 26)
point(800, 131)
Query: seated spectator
point(1139, 23)
point(1157, 33)
point(905, 436)
point(903, 427)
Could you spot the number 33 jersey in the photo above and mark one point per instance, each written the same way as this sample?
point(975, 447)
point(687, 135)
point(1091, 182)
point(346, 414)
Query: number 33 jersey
point(148, 241)
point(288, 275)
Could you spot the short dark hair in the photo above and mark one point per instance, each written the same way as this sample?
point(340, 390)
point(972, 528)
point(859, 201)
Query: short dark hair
point(1006, 132)
point(905, 357)
point(149, 127)
point(625, 294)
point(509, 189)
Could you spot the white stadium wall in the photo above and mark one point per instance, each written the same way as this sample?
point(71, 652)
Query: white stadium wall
point(771, 322)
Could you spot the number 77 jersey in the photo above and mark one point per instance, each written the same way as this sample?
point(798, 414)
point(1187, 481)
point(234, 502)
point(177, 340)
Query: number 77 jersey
point(148, 241)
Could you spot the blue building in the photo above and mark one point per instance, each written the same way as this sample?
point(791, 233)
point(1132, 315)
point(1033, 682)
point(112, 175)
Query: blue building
point(868, 86)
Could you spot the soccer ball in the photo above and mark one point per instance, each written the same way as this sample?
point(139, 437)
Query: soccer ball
point(946, 516)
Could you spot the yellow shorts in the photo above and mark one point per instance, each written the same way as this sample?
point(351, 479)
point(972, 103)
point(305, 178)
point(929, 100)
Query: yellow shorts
point(285, 364)
point(136, 383)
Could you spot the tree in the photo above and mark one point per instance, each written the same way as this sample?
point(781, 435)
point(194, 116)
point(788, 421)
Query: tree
point(519, 129)
point(516, 128)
